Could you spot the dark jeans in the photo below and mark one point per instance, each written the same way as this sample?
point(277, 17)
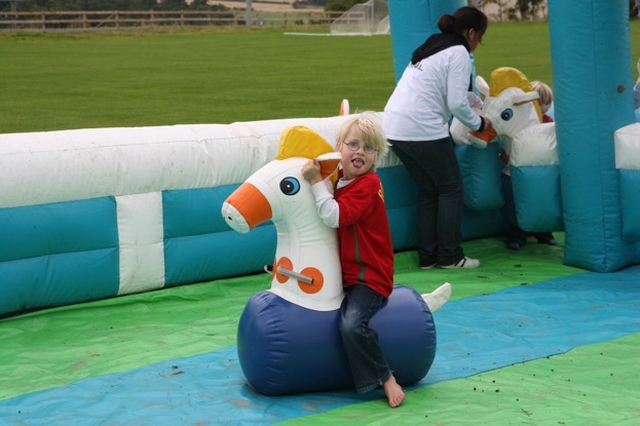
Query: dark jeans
point(434, 167)
point(368, 366)
point(514, 233)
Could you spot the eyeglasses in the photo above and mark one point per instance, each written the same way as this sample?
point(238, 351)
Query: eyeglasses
point(354, 146)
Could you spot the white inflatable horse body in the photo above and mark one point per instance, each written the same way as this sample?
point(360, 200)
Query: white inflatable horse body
point(288, 337)
point(528, 148)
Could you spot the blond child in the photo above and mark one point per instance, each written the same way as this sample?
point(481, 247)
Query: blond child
point(545, 100)
point(356, 207)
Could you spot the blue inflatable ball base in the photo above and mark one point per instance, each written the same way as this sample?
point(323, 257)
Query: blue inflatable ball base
point(286, 349)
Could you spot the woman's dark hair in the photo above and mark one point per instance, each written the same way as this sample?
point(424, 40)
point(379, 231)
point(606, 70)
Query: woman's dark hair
point(463, 19)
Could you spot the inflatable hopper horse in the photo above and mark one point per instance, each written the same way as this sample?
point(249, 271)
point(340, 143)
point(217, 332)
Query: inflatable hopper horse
point(509, 102)
point(529, 148)
point(288, 336)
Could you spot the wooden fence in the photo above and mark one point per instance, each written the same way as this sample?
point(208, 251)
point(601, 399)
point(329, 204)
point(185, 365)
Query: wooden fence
point(95, 20)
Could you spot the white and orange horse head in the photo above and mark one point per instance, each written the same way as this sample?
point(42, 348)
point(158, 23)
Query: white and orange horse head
point(509, 101)
point(510, 104)
point(306, 269)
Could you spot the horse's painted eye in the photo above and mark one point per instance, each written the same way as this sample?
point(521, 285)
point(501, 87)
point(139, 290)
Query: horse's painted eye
point(289, 186)
point(507, 114)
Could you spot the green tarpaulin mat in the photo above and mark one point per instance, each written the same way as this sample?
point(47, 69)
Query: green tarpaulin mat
point(524, 340)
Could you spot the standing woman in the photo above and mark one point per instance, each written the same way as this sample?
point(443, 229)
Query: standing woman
point(436, 85)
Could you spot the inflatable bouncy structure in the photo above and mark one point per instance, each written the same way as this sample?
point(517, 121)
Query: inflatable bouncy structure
point(288, 336)
point(89, 214)
point(594, 115)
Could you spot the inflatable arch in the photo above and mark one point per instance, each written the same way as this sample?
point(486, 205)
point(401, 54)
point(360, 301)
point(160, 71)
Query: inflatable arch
point(598, 146)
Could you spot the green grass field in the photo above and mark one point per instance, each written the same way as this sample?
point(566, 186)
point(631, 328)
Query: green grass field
point(120, 79)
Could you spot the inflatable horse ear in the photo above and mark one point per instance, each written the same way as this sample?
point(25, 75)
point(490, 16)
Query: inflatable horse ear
point(482, 86)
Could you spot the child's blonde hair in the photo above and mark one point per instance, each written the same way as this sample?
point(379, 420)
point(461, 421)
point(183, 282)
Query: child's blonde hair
point(545, 92)
point(370, 130)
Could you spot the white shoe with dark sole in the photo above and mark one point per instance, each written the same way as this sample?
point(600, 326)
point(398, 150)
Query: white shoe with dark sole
point(464, 263)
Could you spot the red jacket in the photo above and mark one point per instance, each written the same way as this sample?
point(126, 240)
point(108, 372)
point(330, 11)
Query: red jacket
point(366, 248)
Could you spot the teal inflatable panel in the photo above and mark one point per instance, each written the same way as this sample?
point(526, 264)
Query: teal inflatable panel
point(480, 170)
point(399, 187)
point(219, 255)
point(200, 246)
point(536, 192)
point(49, 251)
point(481, 224)
point(403, 228)
point(58, 279)
point(482, 216)
point(189, 212)
point(400, 198)
point(45, 229)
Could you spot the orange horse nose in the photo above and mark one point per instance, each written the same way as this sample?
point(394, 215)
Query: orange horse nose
point(246, 208)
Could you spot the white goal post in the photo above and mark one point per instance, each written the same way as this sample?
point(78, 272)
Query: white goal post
point(367, 18)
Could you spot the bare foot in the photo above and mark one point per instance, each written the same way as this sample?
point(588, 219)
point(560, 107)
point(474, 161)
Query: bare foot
point(394, 392)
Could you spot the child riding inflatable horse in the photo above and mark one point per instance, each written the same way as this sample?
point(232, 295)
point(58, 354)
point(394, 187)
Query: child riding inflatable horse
point(288, 336)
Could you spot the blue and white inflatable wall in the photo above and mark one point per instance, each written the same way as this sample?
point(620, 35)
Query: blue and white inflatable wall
point(96, 213)
point(593, 85)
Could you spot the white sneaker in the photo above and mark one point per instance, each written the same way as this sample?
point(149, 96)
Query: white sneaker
point(465, 262)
